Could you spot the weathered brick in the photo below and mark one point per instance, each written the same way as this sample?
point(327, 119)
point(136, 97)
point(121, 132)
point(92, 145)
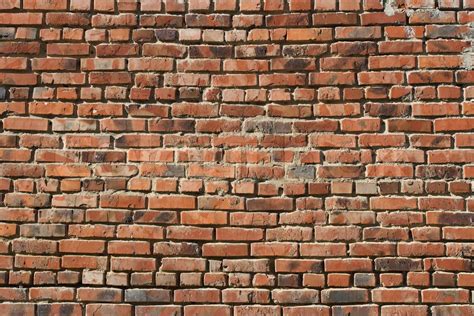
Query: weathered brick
point(339, 296)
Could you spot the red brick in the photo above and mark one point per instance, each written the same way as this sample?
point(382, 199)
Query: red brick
point(173, 202)
point(399, 295)
point(197, 295)
point(224, 250)
point(132, 264)
point(107, 309)
point(445, 296)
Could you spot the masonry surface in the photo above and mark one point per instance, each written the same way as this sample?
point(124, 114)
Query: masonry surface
point(253, 157)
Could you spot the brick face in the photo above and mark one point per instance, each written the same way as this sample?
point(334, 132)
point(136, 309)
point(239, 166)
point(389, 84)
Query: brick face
point(236, 157)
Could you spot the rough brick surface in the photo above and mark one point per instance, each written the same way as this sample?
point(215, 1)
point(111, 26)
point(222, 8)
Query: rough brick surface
point(236, 157)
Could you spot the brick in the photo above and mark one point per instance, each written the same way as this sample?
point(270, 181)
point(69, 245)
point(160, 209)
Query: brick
point(274, 249)
point(313, 34)
point(332, 78)
point(445, 296)
point(347, 141)
point(368, 32)
point(380, 78)
point(132, 264)
point(99, 294)
point(189, 233)
point(372, 249)
point(379, 18)
point(225, 250)
point(450, 309)
point(332, 234)
point(25, 124)
point(346, 265)
point(139, 232)
point(256, 309)
point(105, 309)
point(344, 296)
point(52, 308)
point(199, 296)
point(403, 295)
point(10, 4)
point(303, 296)
point(167, 202)
point(397, 264)
point(207, 309)
point(425, 17)
point(245, 296)
point(303, 265)
point(269, 204)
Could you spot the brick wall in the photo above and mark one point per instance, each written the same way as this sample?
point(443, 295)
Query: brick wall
point(253, 157)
